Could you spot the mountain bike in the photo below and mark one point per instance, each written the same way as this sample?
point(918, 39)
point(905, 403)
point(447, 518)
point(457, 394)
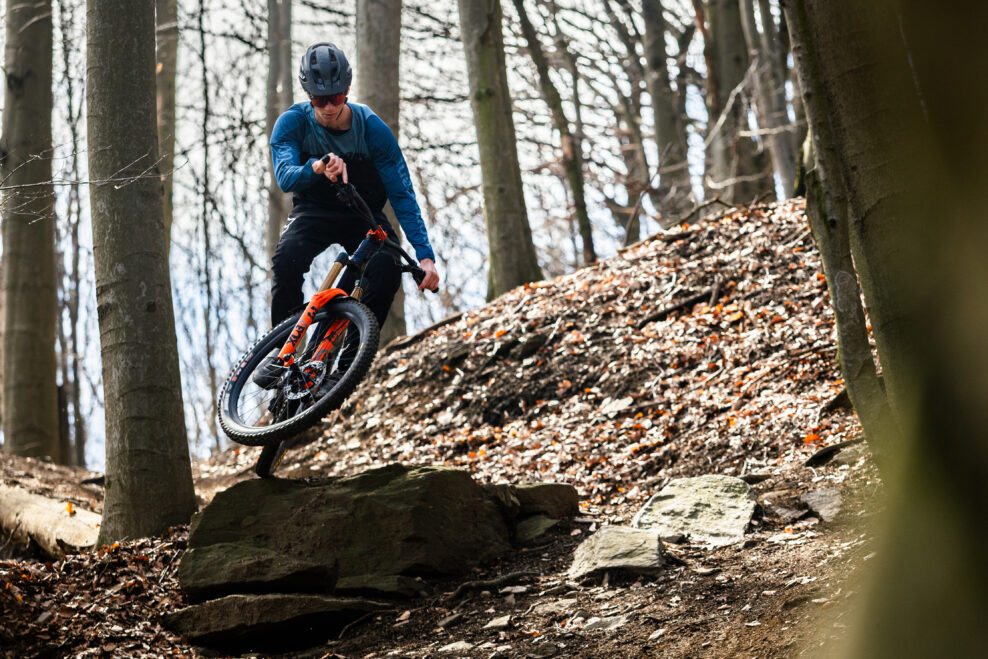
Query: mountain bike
point(306, 366)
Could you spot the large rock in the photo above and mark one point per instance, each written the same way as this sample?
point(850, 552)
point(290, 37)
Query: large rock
point(620, 549)
point(556, 500)
point(229, 567)
point(390, 521)
point(710, 509)
point(260, 623)
point(825, 502)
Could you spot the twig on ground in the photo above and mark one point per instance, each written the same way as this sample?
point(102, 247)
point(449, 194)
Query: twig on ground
point(664, 312)
point(490, 583)
point(359, 620)
point(404, 342)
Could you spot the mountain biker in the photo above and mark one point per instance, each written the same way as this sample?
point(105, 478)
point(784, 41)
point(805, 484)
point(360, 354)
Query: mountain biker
point(363, 151)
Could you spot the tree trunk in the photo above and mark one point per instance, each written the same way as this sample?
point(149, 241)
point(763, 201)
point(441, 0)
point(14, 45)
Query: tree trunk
point(829, 217)
point(571, 148)
point(913, 147)
point(627, 112)
point(512, 254)
point(378, 48)
point(166, 53)
point(30, 422)
point(675, 192)
point(280, 80)
point(148, 474)
point(770, 94)
point(209, 319)
point(737, 172)
point(74, 104)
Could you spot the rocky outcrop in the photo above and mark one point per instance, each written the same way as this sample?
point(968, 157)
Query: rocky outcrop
point(274, 622)
point(390, 521)
point(228, 567)
point(273, 550)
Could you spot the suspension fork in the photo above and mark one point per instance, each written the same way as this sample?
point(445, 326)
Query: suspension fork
point(373, 241)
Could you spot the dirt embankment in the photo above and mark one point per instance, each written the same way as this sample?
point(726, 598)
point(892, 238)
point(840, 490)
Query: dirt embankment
point(707, 350)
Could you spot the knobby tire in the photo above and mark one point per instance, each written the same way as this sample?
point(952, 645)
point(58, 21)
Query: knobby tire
point(271, 436)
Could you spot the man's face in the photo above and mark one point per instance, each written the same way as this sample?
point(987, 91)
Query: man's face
point(327, 107)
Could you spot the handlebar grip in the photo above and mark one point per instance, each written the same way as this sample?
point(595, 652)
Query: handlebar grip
point(418, 274)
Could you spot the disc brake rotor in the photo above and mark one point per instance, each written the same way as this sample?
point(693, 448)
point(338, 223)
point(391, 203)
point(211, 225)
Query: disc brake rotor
point(313, 374)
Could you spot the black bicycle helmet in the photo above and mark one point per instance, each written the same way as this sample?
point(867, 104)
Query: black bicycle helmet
point(325, 70)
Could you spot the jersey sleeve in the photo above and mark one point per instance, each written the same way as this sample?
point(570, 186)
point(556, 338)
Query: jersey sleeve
point(390, 164)
point(286, 153)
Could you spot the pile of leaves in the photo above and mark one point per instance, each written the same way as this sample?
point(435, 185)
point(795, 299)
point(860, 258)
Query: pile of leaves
point(709, 349)
point(105, 602)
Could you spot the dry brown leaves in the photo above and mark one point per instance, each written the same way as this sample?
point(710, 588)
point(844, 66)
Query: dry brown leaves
point(606, 378)
point(104, 603)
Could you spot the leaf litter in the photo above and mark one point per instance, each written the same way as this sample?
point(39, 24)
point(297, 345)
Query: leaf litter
point(706, 350)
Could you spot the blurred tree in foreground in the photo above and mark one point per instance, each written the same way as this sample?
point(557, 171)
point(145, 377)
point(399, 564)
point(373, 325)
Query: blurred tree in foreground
point(901, 139)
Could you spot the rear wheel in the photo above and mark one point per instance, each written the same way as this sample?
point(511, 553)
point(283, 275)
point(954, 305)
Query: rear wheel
point(271, 456)
point(258, 415)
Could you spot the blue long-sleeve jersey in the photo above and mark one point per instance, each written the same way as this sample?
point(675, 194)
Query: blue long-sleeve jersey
point(375, 166)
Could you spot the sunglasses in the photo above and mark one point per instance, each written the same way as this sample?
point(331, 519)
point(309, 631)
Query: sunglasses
point(323, 101)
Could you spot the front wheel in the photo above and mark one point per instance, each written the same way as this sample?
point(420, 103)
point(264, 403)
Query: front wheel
point(281, 407)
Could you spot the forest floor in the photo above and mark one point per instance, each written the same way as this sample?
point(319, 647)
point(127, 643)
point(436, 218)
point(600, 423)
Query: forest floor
point(709, 349)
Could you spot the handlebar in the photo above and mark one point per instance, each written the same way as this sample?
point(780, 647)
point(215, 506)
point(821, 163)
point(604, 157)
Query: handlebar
point(348, 195)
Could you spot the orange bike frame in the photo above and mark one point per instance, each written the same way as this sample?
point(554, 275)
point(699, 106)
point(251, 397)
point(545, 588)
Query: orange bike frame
point(319, 300)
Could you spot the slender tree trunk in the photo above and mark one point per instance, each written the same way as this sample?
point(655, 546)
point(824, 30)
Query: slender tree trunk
point(737, 171)
point(770, 99)
point(74, 105)
point(829, 216)
point(378, 49)
point(837, 73)
point(30, 422)
point(627, 111)
point(675, 192)
point(209, 321)
point(280, 80)
point(571, 149)
point(166, 54)
point(148, 474)
point(512, 254)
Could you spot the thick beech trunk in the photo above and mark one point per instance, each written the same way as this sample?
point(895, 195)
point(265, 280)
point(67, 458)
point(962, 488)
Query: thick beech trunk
point(30, 421)
point(281, 77)
point(509, 236)
point(148, 475)
point(376, 68)
point(571, 147)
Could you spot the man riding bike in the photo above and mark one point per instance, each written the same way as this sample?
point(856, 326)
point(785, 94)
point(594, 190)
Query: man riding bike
point(361, 150)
